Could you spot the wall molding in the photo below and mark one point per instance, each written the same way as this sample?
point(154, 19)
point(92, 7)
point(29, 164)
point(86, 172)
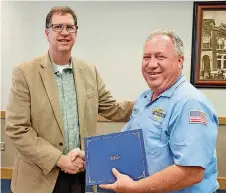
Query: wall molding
point(222, 120)
point(222, 182)
point(6, 173)
point(2, 114)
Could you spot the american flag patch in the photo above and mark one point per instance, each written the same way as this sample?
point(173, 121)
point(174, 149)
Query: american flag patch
point(197, 117)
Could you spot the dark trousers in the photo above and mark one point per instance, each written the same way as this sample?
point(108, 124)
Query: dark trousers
point(68, 183)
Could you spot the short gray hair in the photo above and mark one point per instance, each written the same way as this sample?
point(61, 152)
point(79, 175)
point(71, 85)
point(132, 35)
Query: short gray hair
point(177, 41)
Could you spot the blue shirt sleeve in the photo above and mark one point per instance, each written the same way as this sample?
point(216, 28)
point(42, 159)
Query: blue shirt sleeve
point(191, 140)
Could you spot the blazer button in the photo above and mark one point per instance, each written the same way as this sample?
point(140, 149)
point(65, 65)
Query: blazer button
point(61, 144)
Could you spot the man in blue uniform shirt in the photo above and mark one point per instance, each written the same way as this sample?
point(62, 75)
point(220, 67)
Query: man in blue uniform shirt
point(179, 125)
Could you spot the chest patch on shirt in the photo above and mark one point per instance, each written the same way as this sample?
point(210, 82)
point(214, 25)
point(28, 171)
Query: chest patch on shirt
point(158, 113)
point(197, 117)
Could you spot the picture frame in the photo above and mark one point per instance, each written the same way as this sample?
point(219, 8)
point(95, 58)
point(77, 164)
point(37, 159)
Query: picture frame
point(208, 55)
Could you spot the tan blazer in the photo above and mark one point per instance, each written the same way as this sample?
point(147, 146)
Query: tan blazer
point(34, 121)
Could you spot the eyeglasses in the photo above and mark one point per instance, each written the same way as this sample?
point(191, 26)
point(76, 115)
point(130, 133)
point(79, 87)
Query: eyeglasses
point(60, 28)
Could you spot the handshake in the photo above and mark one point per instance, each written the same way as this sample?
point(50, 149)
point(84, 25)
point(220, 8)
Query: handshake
point(73, 162)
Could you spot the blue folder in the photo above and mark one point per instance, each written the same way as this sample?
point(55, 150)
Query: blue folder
point(123, 151)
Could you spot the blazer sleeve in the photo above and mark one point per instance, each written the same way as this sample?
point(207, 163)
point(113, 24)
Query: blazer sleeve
point(109, 107)
point(19, 127)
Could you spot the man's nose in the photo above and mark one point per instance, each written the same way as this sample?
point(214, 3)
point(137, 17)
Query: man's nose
point(64, 31)
point(153, 63)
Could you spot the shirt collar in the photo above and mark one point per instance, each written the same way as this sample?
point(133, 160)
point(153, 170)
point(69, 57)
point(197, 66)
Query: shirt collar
point(55, 69)
point(169, 92)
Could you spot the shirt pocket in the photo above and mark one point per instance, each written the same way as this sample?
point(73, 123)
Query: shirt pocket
point(134, 113)
point(153, 132)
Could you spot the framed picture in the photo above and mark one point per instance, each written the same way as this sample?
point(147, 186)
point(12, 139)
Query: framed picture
point(208, 59)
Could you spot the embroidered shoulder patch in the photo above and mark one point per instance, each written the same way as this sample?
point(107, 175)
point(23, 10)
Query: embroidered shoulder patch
point(196, 116)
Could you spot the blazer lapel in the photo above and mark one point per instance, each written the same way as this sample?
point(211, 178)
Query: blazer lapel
point(46, 72)
point(80, 90)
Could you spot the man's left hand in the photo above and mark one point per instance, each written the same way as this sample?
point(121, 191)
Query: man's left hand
point(123, 183)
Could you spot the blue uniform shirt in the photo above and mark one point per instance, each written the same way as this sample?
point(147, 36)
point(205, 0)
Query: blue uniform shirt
point(179, 127)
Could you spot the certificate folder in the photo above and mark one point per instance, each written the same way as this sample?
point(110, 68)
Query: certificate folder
point(123, 151)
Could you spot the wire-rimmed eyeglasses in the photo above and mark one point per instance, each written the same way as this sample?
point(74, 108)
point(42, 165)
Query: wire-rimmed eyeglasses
point(60, 28)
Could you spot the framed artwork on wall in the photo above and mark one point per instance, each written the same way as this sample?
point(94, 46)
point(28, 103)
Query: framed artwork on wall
point(208, 58)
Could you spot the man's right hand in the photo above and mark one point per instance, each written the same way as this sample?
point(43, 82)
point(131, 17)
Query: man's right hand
point(68, 166)
point(76, 153)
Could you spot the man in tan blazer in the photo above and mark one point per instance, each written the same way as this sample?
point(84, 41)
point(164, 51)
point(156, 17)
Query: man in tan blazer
point(54, 98)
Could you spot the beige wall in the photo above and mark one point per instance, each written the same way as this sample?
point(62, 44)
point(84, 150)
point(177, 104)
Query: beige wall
point(7, 156)
point(114, 47)
point(221, 151)
point(108, 127)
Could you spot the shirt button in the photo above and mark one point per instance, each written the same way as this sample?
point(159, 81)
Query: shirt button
point(61, 144)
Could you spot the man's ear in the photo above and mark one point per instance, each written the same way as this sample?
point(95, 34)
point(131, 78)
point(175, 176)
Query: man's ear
point(47, 34)
point(181, 61)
